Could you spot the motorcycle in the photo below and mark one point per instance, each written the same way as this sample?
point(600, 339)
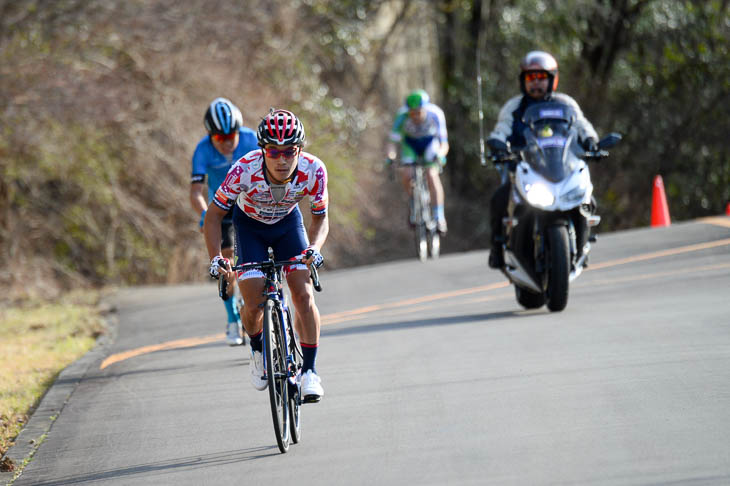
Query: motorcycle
point(551, 208)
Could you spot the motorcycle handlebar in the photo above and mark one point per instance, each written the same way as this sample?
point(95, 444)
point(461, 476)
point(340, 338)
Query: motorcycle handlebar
point(596, 155)
point(512, 158)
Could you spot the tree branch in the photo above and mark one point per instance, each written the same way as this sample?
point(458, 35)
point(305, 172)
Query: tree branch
point(382, 50)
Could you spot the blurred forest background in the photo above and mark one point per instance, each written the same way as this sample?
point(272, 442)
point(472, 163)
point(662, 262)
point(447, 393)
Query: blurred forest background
point(101, 106)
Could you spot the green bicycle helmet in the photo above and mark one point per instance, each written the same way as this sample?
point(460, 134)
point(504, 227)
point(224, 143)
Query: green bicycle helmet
point(417, 99)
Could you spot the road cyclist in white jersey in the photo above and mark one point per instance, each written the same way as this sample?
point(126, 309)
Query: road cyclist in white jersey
point(420, 130)
point(227, 140)
point(264, 188)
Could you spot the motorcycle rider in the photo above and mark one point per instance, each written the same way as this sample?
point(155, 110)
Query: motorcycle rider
point(538, 82)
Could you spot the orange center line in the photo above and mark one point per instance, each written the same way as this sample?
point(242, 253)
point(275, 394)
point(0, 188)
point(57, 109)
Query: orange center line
point(180, 343)
point(344, 316)
point(659, 254)
point(338, 316)
point(716, 220)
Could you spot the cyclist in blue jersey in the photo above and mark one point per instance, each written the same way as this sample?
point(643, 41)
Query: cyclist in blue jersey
point(227, 141)
point(420, 129)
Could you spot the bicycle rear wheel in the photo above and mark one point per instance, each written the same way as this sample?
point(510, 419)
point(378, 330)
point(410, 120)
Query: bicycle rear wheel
point(276, 374)
point(295, 367)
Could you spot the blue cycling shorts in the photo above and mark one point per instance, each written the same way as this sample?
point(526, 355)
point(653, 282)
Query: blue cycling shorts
point(287, 238)
point(414, 148)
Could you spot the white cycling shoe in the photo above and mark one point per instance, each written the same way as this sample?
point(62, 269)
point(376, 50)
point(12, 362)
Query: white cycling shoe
point(234, 333)
point(311, 384)
point(258, 375)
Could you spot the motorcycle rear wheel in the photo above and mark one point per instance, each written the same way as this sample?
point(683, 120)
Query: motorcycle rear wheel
point(529, 300)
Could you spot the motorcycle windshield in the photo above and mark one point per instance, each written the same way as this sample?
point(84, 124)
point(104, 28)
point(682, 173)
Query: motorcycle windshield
point(551, 147)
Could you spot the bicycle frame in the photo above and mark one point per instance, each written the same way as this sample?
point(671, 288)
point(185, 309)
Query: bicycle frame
point(283, 390)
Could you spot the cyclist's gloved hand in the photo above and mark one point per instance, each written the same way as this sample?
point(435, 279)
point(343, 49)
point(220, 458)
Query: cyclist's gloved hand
point(218, 263)
point(317, 258)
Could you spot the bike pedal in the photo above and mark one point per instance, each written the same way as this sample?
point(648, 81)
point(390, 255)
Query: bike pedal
point(312, 399)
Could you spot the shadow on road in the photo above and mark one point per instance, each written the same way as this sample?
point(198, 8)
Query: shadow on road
point(435, 321)
point(165, 467)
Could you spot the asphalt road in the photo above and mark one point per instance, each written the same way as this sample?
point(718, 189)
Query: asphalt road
point(433, 375)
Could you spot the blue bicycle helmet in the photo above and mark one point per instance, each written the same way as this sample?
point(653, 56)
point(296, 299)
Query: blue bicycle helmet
point(222, 117)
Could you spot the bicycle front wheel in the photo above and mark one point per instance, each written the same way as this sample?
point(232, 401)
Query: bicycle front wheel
point(421, 234)
point(276, 374)
point(434, 243)
point(421, 208)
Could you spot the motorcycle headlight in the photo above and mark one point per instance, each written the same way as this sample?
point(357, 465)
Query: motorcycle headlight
point(539, 195)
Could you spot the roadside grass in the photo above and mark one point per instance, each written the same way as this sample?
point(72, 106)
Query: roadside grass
point(38, 340)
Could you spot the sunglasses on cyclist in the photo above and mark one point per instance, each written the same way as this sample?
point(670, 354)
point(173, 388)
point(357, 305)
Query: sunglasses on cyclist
point(221, 137)
point(288, 153)
point(535, 75)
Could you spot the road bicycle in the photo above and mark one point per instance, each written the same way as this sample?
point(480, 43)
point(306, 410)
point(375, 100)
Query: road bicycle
point(281, 349)
point(428, 242)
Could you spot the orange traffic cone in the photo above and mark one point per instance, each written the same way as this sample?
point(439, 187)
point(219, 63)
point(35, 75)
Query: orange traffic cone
point(659, 208)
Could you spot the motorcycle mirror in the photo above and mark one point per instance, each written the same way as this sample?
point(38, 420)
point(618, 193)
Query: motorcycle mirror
point(609, 140)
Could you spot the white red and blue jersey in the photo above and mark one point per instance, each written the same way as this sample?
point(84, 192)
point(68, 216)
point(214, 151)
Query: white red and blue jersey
point(207, 161)
point(247, 186)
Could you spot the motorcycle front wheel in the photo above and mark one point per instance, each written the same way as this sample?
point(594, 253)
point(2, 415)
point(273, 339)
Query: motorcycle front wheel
point(558, 267)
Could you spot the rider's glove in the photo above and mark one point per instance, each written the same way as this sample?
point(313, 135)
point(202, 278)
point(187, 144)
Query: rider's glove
point(318, 258)
point(216, 264)
point(590, 145)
